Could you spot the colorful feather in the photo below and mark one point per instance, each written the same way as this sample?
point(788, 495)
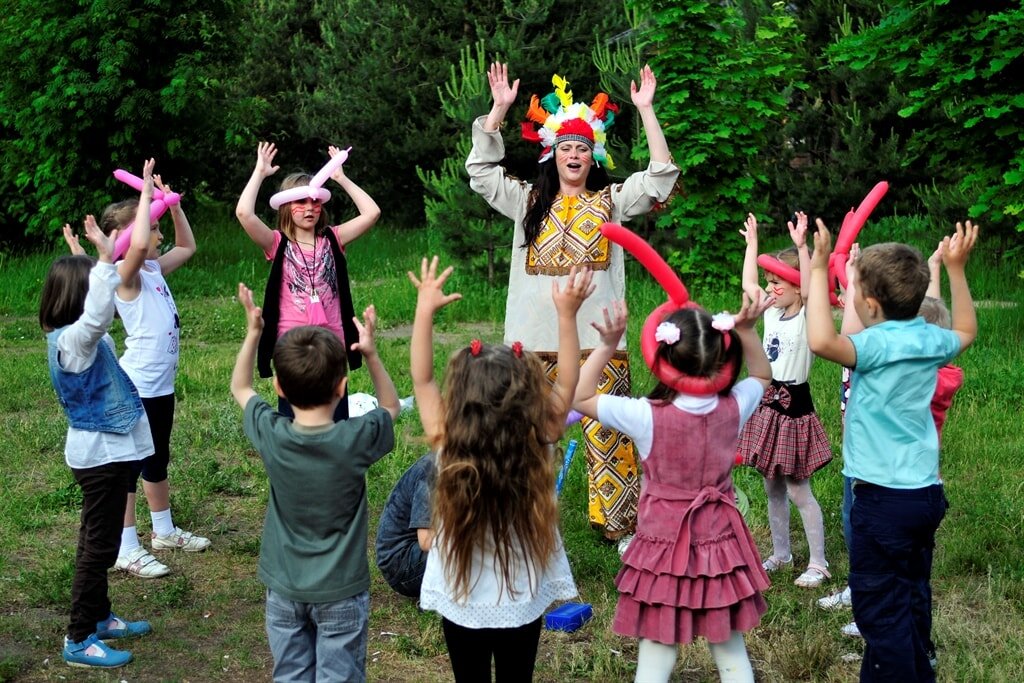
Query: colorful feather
point(564, 96)
point(529, 132)
point(599, 103)
point(536, 113)
point(550, 103)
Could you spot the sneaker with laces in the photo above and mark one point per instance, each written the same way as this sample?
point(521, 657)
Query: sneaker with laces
point(624, 543)
point(114, 627)
point(93, 652)
point(180, 540)
point(836, 601)
point(851, 630)
point(140, 563)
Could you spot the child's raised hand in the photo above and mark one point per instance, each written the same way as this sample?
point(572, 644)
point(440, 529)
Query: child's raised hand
point(956, 248)
point(798, 232)
point(614, 324)
point(338, 175)
point(430, 285)
point(367, 328)
point(104, 243)
point(265, 153)
point(750, 310)
point(147, 175)
point(158, 181)
point(72, 239)
point(644, 95)
point(750, 231)
point(497, 77)
point(253, 313)
point(822, 246)
point(578, 287)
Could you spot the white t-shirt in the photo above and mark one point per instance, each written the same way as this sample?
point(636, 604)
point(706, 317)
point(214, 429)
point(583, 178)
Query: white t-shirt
point(151, 322)
point(633, 416)
point(785, 344)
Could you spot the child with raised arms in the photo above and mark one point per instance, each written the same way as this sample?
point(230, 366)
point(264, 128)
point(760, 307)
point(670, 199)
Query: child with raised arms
point(497, 561)
point(784, 439)
point(693, 569)
point(308, 283)
point(107, 432)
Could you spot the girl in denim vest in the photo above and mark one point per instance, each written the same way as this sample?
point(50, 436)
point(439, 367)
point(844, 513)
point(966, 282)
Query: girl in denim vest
point(108, 430)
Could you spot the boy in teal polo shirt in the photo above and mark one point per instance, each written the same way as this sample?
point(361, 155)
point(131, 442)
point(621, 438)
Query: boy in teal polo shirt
point(313, 551)
point(890, 444)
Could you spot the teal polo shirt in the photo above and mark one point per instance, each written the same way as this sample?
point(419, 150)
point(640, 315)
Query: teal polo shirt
point(890, 436)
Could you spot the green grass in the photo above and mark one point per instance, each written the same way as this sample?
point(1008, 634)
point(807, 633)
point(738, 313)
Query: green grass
point(208, 615)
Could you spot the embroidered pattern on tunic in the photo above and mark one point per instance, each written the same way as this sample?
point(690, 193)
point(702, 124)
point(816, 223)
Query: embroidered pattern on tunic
point(571, 235)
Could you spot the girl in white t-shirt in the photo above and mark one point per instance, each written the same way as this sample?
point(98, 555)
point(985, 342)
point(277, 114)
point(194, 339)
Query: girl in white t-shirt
point(785, 439)
point(152, 337)
point(497, 560)
point(308, 283)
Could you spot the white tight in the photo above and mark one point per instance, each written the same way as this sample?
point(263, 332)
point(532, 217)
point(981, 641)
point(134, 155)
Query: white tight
point(798, 491)
point(656, 661)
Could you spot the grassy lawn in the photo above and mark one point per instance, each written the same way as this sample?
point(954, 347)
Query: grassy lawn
point(208, 614)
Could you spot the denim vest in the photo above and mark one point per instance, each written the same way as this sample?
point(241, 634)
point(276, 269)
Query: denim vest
point(98, 399)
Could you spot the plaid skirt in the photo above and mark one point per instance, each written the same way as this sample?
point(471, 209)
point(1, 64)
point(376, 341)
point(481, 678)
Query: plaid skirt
point(784, 437)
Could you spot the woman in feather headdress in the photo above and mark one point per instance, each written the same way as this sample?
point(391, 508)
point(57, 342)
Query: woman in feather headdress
point(556, 227)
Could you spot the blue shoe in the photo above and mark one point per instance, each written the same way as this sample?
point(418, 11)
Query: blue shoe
point(115, 627)
point(94, 652)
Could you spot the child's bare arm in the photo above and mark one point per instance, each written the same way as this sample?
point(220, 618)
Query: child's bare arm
point(935, 272)
point(956, 250)
point(241, 375)
point(245, 210)
point(369, 212)
point(384, 388)
point(750, 285)
point(851, 323)
point(758, 365)
point(567, 303)
point(129, 267)
point(798, 233)
point(611, 331)
point(72, 241)
point(430, 298)
point(184, 241)
point(821, 331)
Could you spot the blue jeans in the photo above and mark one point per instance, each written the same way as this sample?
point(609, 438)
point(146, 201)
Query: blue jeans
point(890, 574)
point(318, 641)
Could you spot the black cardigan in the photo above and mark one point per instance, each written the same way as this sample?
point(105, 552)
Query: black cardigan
point(272, 306)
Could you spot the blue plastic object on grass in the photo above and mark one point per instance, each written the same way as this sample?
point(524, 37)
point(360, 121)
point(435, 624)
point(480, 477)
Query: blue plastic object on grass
point(570, 451)
point(568, 617)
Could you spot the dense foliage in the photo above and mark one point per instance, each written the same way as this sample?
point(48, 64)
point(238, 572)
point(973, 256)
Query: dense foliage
point(768, 107)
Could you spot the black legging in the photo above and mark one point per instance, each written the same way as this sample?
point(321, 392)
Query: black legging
point(470, 650)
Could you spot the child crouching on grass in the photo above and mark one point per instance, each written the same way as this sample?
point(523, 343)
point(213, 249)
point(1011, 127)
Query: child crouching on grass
point(313, 550)
point(890, 444)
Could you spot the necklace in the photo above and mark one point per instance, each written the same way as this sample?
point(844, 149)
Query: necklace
point(313, 296)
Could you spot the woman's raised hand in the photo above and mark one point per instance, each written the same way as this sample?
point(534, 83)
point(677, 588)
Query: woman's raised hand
point(644, 95)
point(497, 77)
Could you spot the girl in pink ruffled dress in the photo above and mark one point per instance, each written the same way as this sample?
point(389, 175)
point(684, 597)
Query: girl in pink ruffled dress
point(693, 568)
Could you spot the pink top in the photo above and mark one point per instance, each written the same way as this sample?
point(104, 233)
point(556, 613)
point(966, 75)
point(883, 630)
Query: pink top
point(951, 378)
point(308, 270)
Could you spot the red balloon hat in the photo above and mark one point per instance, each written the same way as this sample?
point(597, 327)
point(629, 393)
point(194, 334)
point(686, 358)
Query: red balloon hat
point(678, 298)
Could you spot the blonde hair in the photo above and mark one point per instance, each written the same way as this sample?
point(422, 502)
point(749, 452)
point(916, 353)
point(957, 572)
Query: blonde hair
point(118, 215)
point(284, 212)
point(494, 490)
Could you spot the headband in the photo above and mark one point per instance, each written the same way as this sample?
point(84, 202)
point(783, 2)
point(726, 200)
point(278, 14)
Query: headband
point(161, 200)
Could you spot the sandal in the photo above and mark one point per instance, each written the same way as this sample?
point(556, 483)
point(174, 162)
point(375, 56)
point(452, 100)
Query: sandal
point(774, 564)
point(813, 576)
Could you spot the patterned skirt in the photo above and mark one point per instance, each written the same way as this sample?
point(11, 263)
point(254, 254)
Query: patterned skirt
point(785, 437)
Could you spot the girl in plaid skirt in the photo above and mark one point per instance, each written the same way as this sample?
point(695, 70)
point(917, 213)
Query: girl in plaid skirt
point(784, 439)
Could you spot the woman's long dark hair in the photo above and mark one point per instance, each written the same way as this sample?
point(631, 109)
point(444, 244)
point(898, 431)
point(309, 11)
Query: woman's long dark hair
point(542, 196)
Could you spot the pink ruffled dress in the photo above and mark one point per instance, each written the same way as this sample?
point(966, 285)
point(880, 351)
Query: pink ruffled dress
point(693, 568)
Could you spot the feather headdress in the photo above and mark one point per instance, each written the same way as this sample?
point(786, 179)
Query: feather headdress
point(555, 118)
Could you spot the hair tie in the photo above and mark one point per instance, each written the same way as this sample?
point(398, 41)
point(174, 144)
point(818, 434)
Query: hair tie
point(517, 349)
point(724, 322)
point(667, 333)
point(475, 346)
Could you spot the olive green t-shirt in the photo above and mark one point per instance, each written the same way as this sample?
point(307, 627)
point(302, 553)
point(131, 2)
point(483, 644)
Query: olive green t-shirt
point(315, 532)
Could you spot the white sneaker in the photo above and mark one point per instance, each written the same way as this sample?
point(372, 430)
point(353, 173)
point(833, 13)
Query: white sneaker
point(140, 563)
point(851, 630)
point(836, 601)
point(624, 544)
point(180, 540)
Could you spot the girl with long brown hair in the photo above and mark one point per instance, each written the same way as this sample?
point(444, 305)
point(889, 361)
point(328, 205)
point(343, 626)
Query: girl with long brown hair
point(497, 560)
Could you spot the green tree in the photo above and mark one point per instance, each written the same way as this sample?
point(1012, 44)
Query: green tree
point(93, 86)
point(725, 79)
point(960, 65)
